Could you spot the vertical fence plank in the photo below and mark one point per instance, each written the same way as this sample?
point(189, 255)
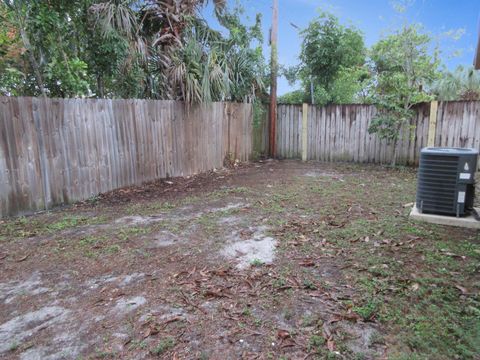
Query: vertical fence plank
point(55, 151)
point(475, 119)
point(289, 133)
point(315, 136)
point(326, 132)
point(340, 132)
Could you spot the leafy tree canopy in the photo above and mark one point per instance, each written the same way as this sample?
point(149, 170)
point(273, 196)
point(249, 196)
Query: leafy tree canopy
point(293, 97)
point(404, 67)
point(331, 59)
point(128, 48)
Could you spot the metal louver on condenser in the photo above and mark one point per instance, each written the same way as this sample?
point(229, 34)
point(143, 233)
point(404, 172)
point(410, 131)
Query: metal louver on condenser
point(446, 180)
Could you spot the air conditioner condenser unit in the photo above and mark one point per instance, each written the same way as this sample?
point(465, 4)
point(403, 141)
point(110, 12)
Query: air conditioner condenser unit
point(446, 181)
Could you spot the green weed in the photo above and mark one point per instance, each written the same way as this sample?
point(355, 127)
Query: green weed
point(163, 346)
point(256, 262)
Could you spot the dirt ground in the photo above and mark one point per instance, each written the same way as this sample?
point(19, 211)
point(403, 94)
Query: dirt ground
point(274, 260)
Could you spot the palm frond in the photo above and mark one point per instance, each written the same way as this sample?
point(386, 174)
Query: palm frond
point(461, 84)
point(115, 16)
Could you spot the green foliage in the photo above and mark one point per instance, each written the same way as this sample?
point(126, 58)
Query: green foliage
point(140, 49)
point(367, 310)
point(11, 78)
point(10, 81)
point(256, 262)
point(208, 67)
point(107, 59)
point(293, 97)
point(330, 58)
point(321, 95)
point(163, 346)
point(461, 84)
point(387, 125)
point(13, 346)
point(327, 46)
point(403, 68)
point(68, 78)
point(65, 223)
point(259, 113)
point(351, 86)
point(316, 343)
point(48, 56)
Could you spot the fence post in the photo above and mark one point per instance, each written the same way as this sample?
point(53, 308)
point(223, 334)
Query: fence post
point(432, 124)
point(304, 132)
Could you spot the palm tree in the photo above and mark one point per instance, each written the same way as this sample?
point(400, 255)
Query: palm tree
point(462, 84)
point(183, 57)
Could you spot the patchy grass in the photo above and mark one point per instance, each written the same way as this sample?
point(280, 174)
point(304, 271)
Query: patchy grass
point(163, 346)
point(256, 262)
point(419, 291)
point(43, 225)
point(352, 278)
point(13, 347)
point(416, 279)
point(419, 281)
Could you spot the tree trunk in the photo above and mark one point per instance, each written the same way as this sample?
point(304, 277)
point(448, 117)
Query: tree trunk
point(395, 143)
point(395, 153)
point(100, 86)
point(33, 61)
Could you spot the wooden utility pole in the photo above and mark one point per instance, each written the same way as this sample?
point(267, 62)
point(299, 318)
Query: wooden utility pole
point(274, 73)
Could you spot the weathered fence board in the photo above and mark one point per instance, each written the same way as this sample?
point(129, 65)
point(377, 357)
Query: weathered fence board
point(56, 151)
point(340, 132)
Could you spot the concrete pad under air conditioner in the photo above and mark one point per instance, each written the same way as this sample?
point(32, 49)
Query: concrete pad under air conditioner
point(466, 221)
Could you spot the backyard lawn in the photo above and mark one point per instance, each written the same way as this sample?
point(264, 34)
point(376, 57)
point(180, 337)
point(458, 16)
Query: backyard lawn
point(274, 260)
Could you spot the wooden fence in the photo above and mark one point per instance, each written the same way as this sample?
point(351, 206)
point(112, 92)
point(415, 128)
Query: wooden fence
point(340, 132)
point(57, 151)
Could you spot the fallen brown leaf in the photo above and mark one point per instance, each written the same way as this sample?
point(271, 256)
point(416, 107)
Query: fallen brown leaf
point(173, 319)
point(152, 330)
point(303, 238)
point(335, 318)
point(283, 334)
point(349, 315)
point(216, 294)
point(307, 263)
point(282, 288)
point(287, 343)
point(23, 258)
point(352, 316)
point(331, 344)
point(463, 290)
point(326, 331)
